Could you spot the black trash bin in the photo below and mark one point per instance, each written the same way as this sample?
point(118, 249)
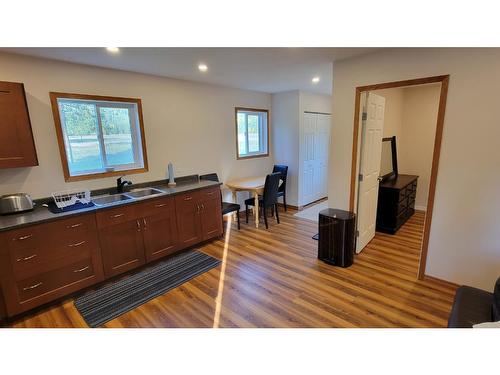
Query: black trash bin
point(337, 237)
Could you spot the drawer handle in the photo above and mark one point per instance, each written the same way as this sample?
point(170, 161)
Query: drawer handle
point(210, 193)
point(26, 258)
point(33, 286)
point(145, 223)
point(115, 216)
point(74, 226)
point(25, 237)
point(77, 244)
point(188, 198)
point(160, 205)
point(202, 207)
point(81, 269)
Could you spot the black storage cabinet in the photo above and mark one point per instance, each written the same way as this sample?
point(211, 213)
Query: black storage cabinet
point(337, 237)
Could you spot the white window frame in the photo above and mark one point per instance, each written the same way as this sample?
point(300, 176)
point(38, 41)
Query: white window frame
point(137, 134)
point(263, 115)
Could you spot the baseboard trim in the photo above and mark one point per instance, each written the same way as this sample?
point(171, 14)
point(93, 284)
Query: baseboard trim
point(421, 208)
point(288, 206)
point(436, 279)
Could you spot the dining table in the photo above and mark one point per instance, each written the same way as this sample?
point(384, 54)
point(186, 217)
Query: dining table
point(254, 185)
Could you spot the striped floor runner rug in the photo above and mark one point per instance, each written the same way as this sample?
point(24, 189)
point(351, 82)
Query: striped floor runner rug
point(112, 300)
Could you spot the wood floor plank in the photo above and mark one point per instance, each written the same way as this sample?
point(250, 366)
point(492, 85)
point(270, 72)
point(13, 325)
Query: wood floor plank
point(272, 278)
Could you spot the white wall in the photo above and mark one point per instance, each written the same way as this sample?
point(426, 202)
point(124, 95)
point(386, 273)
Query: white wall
point(411, 115)
point(285, 135)
point(420, 109)
point(287, 116)
point(464, 242)
point(188, 123)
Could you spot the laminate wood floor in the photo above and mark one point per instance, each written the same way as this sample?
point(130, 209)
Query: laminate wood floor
point(272, 278)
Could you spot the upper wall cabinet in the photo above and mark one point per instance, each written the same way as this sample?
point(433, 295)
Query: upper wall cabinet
point(17, 147)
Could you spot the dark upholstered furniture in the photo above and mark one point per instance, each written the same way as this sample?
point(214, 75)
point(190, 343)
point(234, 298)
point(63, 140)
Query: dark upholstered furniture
point(472, 306)
point(227, 207)
point(269, 197)
point(283, 169)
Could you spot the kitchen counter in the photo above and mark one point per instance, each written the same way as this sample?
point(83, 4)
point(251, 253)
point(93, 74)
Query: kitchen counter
point(42, 214)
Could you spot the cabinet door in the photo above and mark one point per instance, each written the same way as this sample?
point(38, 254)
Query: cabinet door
point(122, 247)
point(17, 148)
point(187, 208)
point(211, 218)
point(160, 234)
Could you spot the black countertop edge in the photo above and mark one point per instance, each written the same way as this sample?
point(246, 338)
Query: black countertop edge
point(41, 214)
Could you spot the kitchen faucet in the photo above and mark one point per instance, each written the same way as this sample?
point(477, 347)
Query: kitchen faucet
point(120, 184)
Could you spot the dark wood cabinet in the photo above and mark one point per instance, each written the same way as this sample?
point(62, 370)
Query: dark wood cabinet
point(210, 217)
point(17, 147)
point(122, 247)
point(43, 262)
point(187, 207)
point(396, 202)
point(199, 216)
point(160, 231)
point(40, 263)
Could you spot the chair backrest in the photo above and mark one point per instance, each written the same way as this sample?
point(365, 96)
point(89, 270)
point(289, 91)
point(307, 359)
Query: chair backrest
point(271, 189)
point(283, 169)
point(210, 177)
point(496, 301)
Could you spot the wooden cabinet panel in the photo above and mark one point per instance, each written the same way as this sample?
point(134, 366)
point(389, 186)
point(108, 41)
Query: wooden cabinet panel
point(121, 247)
point(211, 218)
point(155, 206)
point(115, 216)
point(188, 222)
point(160, 235)
point(17, 147)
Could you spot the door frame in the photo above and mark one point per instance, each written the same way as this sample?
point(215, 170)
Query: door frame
point(444, 80)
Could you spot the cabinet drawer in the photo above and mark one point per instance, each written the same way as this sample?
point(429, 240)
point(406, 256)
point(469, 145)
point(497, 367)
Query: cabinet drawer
point(187, 200)
point(31, 262)
point(211, 193)
point(115, 216)
point(44, 283)
point(25, 238)
point(155, 206)
point(69, 231)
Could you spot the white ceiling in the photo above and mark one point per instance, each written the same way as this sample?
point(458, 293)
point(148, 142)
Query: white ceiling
point(260, 69)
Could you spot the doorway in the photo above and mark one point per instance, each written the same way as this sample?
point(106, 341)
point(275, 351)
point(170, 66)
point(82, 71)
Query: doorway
point(365, 169)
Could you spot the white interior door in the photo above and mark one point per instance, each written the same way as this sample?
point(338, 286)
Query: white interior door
point(369, 169)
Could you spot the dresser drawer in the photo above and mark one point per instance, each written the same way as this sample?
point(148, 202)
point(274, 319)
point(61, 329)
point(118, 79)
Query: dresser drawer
point(115, 216)
point(155, 206)
point(50, 281)
point(69, 231)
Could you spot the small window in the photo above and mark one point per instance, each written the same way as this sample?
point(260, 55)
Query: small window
point(99, 136)
point(252, 133)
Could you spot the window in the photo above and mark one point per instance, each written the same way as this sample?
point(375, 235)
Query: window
point(99, 136)
point(252, 133)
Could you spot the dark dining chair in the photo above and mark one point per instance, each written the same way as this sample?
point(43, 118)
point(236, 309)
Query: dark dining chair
point(269, 197)
point(283, 169)
point(227, 207)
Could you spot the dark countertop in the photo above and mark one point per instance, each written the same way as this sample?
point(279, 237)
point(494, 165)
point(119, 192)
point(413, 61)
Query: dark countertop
point(42, 214)
point(398, 182)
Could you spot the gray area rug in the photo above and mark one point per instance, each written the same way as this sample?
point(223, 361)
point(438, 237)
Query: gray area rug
point(110, 301)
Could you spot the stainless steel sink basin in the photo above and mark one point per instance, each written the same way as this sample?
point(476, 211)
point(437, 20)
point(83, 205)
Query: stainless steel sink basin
point(139, 193)
point(108, 199)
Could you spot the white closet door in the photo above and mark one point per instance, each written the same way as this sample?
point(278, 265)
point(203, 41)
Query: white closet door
point(308, 144)
point(322, 150)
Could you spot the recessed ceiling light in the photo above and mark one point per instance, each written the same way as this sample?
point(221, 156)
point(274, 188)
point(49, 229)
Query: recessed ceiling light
point(202, 67)
point(315, 80)
point(113, 49)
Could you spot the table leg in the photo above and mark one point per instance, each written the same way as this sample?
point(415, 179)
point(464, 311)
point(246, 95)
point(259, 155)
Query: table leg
point(256, 197)
point(235, 200)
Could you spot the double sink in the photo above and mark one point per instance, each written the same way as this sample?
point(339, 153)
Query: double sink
point(132, 194)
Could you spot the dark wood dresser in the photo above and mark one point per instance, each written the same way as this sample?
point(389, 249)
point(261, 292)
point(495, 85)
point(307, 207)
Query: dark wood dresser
point(396, 202)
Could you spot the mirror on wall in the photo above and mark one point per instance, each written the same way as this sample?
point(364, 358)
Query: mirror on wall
point(389, 159)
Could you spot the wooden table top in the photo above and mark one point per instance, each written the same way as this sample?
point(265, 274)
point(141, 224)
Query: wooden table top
point(248, 183)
